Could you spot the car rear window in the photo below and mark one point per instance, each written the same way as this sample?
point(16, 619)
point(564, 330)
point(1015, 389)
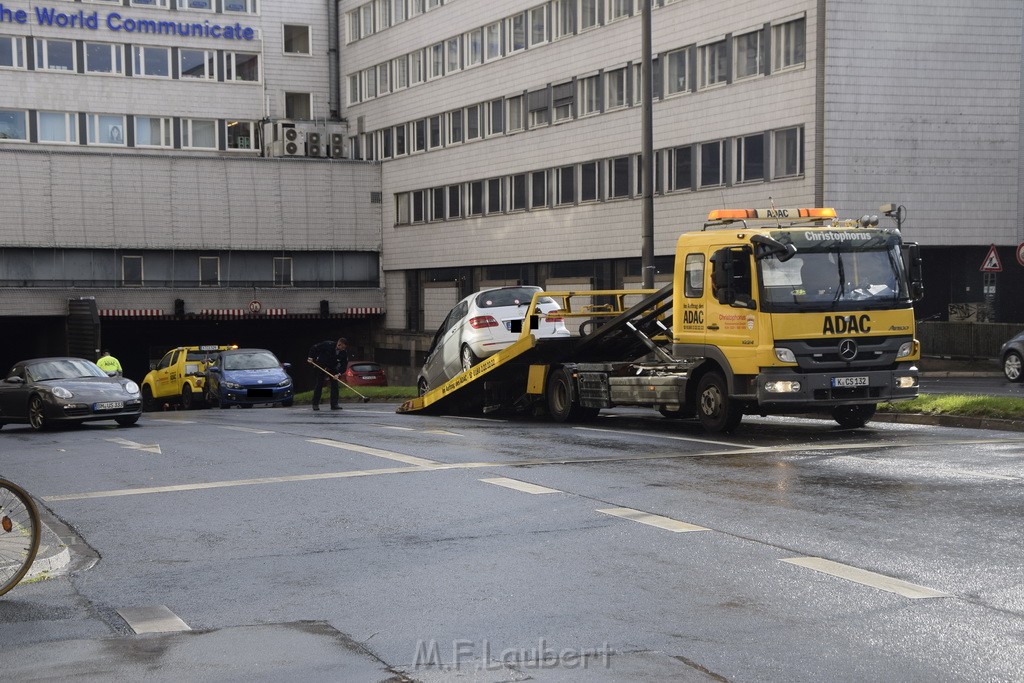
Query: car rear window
point(512, 296)
point(364, 367)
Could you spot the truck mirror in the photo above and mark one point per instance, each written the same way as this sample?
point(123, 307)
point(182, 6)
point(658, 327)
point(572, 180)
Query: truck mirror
point(915, 270)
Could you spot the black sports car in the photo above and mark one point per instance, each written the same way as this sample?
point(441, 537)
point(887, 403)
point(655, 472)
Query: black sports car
point(47, 391)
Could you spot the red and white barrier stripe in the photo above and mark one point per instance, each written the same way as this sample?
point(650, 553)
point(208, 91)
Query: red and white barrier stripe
point(131, 312)
point(225, 312)
point(276, 311)
point(364, 311)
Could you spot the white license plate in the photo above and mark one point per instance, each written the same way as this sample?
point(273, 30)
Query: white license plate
point(112, 405)
point(849, 381)
point(369, 377)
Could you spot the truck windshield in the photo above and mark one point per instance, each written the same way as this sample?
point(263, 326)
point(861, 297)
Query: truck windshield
point(835, 274)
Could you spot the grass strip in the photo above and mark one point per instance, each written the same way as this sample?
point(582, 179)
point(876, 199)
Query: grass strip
point(995, 407)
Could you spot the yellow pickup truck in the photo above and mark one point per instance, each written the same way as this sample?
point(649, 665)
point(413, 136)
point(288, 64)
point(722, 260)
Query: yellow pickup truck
point(179, 377)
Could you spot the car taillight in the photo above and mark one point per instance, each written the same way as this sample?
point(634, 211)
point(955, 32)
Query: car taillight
point(553, 316)
point(482, 321)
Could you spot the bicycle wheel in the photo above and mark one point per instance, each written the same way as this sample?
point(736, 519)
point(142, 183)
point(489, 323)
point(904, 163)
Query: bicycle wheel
point(19, 534)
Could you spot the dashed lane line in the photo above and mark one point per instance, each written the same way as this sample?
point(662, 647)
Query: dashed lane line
point(524, 486)
point(368, 450)
point(250, 430)
point(666, 523)
point(866, 578)
point(666, 436)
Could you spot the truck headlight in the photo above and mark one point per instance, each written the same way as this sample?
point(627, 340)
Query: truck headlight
point(782, 387)
point(906, 348)
point(785, 355)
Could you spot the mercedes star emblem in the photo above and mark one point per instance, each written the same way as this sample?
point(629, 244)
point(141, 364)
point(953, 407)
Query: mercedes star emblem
point(847, 349)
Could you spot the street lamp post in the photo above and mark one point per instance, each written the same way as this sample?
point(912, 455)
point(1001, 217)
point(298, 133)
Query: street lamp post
point(647, 151)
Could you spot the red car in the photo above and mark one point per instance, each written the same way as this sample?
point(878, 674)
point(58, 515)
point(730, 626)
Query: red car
point(364, 373)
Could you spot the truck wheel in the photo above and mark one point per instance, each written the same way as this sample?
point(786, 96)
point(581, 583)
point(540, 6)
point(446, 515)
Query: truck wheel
point(469, 359)
point(851, 417)
point(148, 404)
point(717, 412)
point(1012, 367)
point(187, 402)
point(563, 404)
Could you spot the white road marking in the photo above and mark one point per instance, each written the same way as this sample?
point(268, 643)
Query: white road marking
point(652, 520)
point(167, 419)
point(149, 448)
point(866, 578)
point(442, 432)
point(400, 429)
point(246, 429)
point(157, 619)
point(390, 455)
point(667, 436)
point(523, 486)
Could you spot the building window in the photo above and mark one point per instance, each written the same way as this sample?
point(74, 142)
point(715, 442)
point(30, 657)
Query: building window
point(296, 40)
point(678, 63)
point(353, 89)
point(12, 52)
point(750, 158)
point(475, 47)
point(283, 271)
point(618, 178)
point(152, 61)
point(436, 139)
point(494, 196)
point(55, 55)
point(788, 44)
point(242, 66)
point(565, 192)
point(352, 22)
point(417, 7)
point(383, 12)
point(386, 144)
point(539, 190)
point(714, 64)
point(515, 113)
point(680, 170)
point(419, 138)
point(240, 6)
point(565, 18)
point(517, 33)
point(495, 117)
point(153, 131)
point(620, 9)
point(416, 67)
point(538, 25)
point(149, 3)
point(202, 5)
point(454, 201)
point(369, 80)
point(539, 108)
point(297, 106)
point(590, 95)
point(564, 96)
point(492, 34)
point(398, 11)
point(517, 190)
point(402, 208)
point(436, 63)
point(241, 136)
point(131, 271)
point(419, 206)
point(383, 79)
point(589, 15)
point(58, 127)
point(100, 58)
point(437, 203)
point(747, 51)
point(476, 198)
point(198, 64)
point(198, 134)
point(401, 148)
point(787, 148)
point(711, 164)
point(590, 190)
point(209, 271)
point(400, 72)
point(13, 125)
point(615, 88)
point(474, 131)
point(455, 130)
point(366, 20)
point(105, 129)
point(454, 62)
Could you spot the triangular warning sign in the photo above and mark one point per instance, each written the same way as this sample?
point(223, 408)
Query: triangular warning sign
point(992, 264)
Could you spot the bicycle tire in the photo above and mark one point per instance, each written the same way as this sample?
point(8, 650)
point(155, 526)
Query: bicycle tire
point(20, 529)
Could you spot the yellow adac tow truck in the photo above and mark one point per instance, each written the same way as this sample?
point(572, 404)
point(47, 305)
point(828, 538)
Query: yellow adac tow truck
point(771, 311)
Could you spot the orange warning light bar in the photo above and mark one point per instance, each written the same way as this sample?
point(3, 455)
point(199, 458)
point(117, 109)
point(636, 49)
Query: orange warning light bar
point(741, 214)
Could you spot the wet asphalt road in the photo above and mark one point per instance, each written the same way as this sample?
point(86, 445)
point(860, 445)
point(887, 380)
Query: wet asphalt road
point(366, 545)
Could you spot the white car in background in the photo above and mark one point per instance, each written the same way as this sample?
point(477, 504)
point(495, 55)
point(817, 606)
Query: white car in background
point(481, 325)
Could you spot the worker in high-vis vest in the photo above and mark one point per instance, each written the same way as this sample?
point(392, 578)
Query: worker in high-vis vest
point(109, 364)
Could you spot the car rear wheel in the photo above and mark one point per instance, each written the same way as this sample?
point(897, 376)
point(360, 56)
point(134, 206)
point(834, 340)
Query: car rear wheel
point(421, 387)
point(853, 417)
point(469, 359)
point(36, 414)
point(1012, 367)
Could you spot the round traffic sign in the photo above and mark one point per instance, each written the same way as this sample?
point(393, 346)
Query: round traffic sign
point(255, 306)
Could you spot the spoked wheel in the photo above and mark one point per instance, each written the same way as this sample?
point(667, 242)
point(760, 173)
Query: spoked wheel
point(852, 417)
point(36, 413)
point(19, 534)
point(717, 412)
point(421, 387)
point(469, 359)
point(1012, 367)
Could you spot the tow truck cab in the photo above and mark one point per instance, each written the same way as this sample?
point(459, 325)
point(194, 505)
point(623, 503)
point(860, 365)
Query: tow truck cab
point(179, 376)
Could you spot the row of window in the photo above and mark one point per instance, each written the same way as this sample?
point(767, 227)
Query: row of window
point(571, 15)
point(133, 275)
point(226, 6)
point(759, 157)
point(675, 72)
point(689, 68)
point(114, 59)
point(119, 130)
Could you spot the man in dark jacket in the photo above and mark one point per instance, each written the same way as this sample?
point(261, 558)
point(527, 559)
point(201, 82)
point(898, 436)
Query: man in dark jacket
point(332, 356)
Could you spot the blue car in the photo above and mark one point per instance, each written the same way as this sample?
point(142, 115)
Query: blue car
point(247, 377)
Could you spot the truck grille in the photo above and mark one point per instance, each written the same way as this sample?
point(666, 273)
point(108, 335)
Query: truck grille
point(824, 354)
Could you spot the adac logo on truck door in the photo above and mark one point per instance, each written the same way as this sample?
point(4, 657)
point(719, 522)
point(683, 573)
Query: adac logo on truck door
point(846, 324)
point(693, 317)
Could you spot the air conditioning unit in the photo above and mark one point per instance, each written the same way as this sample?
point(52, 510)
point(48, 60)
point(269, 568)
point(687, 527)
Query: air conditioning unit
point(338, 146)
point(285, 140)
point(316, 142)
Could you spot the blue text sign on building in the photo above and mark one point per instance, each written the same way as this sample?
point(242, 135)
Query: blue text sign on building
point(115, 21)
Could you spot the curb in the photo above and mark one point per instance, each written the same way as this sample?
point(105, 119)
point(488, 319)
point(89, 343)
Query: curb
point(960, 373)
point(963, 422)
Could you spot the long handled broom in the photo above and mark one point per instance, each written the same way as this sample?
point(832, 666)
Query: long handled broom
point(366, 399)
